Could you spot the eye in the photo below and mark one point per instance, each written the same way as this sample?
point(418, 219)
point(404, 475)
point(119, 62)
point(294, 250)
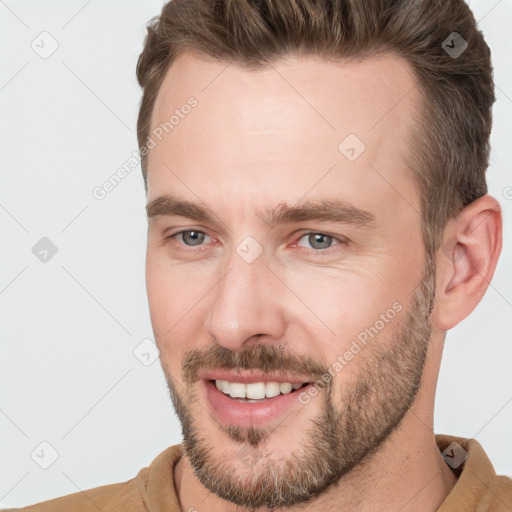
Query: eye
point(190, 237)
point(318, 241)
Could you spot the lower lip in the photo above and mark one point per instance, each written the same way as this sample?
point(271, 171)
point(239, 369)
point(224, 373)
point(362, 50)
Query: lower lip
point(249, 414)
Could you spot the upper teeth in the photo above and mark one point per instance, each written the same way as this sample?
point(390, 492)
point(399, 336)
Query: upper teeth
point(256, 390)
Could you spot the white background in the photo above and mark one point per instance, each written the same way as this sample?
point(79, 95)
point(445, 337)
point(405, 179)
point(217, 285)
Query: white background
point(68, 375)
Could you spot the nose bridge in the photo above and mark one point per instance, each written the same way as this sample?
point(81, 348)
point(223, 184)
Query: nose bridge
point(245, 301)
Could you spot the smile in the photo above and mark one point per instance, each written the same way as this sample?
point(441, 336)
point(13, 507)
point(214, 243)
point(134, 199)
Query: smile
point(255, 391)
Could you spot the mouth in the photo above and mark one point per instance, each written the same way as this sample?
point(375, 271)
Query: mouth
point(255, 403)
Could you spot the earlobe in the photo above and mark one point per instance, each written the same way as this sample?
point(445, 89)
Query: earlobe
point(467, 260)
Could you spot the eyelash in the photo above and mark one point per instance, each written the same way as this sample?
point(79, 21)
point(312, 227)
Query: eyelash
point(294, 244)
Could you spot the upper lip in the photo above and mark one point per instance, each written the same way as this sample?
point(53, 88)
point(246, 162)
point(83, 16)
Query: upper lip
point(248, 377)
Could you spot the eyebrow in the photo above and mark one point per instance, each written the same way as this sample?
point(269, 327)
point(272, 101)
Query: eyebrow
point(327, 210)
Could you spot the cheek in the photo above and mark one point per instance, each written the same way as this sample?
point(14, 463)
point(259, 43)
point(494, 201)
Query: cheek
point(176, 301)
point(167, 296)
point(168, 286)
point(157, 288)
point(347, 307)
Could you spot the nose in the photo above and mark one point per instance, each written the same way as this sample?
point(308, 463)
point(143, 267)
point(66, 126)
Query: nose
point(246, 304)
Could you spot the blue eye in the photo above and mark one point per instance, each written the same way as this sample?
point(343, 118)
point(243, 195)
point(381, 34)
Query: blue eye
point(191, 237)
point(318, 241)
point(315, 241)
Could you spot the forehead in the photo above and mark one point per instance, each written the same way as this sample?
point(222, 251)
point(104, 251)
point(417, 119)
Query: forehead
point(301, 126)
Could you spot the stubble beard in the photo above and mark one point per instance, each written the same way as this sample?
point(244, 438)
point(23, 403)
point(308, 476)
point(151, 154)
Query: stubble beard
point(342, 437)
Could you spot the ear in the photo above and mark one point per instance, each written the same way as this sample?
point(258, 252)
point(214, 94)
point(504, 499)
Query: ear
point(466, 261)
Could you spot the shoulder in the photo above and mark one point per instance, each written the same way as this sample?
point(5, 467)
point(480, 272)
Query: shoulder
point(129, 496)
point(124, 496)
point(500, 494)
point(478, 486)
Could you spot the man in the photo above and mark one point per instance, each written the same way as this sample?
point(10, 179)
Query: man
point(318, 220)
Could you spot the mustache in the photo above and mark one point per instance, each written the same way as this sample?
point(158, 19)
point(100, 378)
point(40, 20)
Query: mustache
point(264, 358)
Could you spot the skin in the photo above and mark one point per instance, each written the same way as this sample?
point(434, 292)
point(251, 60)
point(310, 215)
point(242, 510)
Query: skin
point(256, 140)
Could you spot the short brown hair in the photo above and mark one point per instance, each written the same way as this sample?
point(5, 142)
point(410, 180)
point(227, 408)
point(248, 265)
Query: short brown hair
point(450, 151)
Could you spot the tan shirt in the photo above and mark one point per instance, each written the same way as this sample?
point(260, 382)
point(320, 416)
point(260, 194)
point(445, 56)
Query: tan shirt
point(478, 489)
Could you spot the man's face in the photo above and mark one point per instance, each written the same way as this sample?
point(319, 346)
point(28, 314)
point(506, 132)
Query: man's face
point(309, 265)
